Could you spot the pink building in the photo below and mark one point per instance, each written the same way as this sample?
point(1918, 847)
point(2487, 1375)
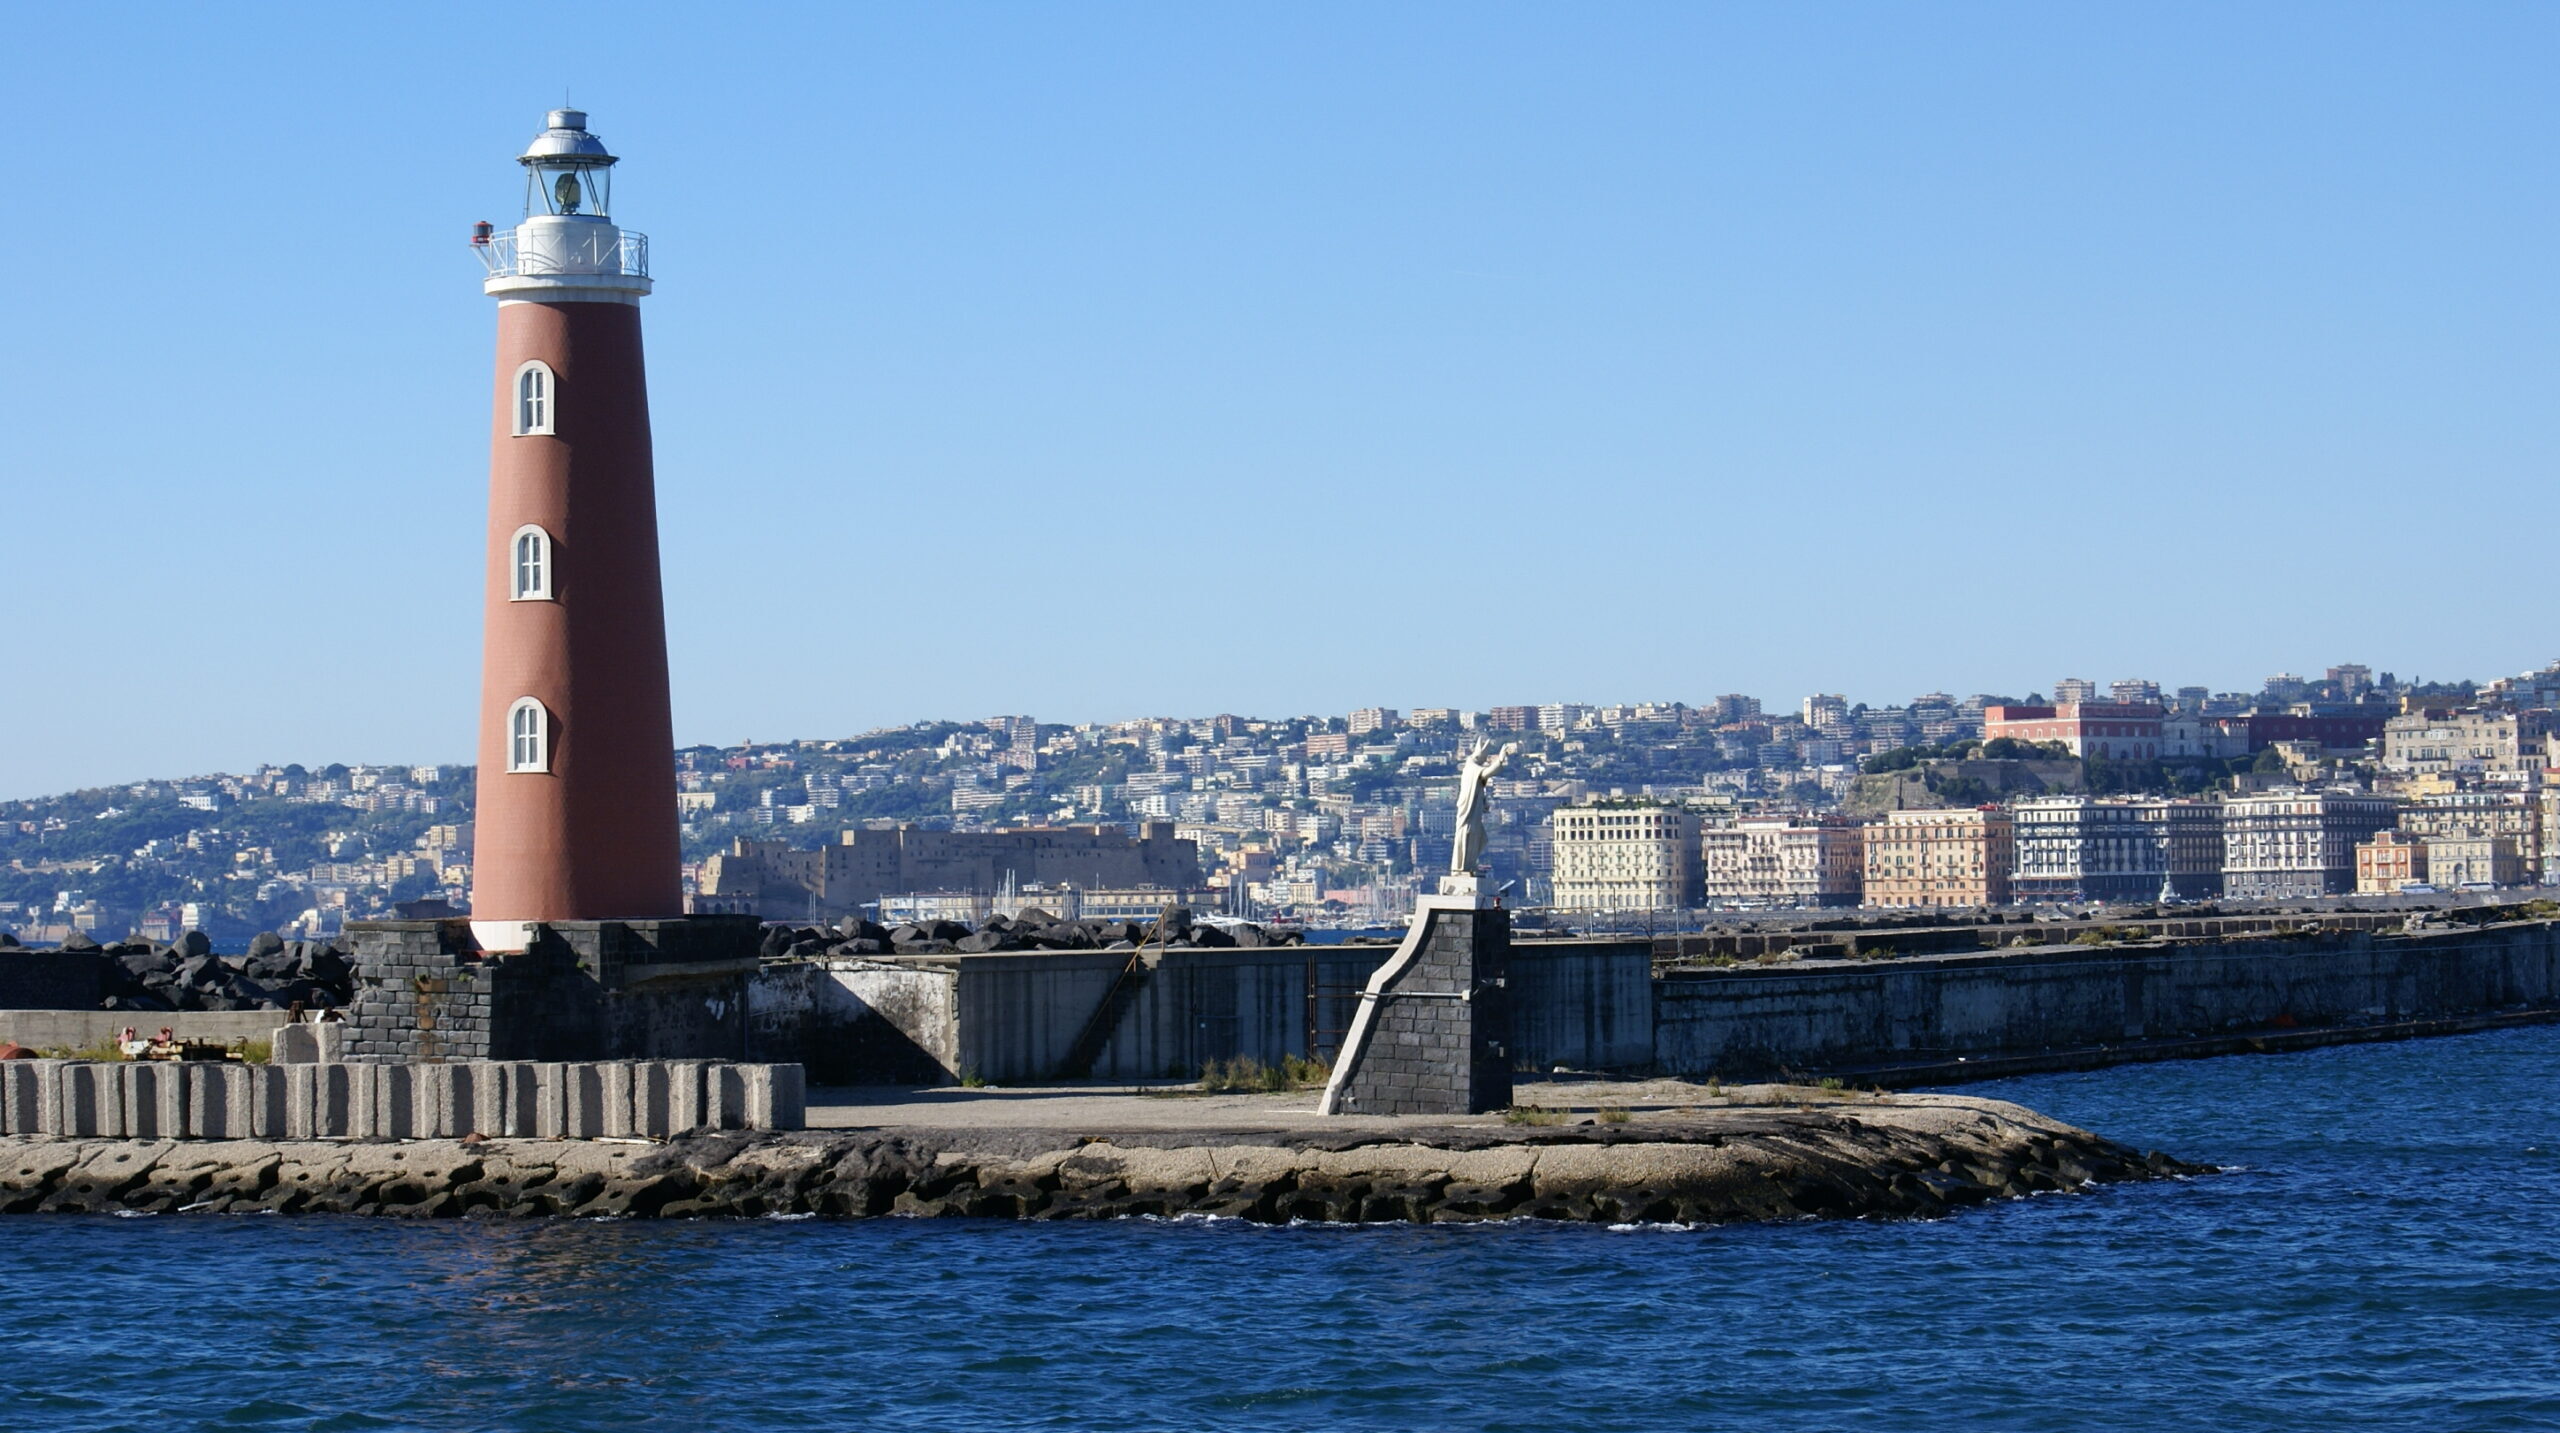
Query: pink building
point(2115, 730)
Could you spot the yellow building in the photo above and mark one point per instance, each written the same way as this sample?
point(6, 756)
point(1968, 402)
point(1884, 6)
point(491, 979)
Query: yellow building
point(1959, 857)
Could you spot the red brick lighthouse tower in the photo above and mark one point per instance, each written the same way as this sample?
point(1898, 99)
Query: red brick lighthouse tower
point(577, 789)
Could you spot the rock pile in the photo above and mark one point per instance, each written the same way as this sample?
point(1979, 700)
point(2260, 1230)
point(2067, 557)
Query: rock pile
point(1742, 1166)
point(1033, 930)
point(150, 978)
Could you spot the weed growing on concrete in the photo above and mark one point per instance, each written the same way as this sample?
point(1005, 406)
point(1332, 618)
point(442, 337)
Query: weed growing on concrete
point(1833, 1082)
point(972, 1080)
point(257, 1052)
point(1715, 1086)
point(1247, 1075)
point(1612, 1115)
point(102, 1050)
point(1532, 1115)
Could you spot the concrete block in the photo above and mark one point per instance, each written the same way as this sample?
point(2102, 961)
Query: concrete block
point(517, 1107)
point(790, 1108)
point(684, 1095)
point(551, 1083)
point(155, 1100)
point(22, 1087)
point(617, 1099)
point(758, 1112)
point(725, 1096)
point(92, 1101)
point(334, 1101)
point(216, 1104)
point(329, 1041)
point(395, 1101)
point(266, 1102)
point(437, 1090)
point(651, 1105)
point(301, 1090)
point(296, 1045)
point(583, 1107)
point(488, 1098)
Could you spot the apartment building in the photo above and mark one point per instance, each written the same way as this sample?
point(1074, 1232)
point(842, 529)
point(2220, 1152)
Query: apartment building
point(2080, 848)
point(1783, 862)
point(2297, 845)
point(1624, 856)
point(1960, 857)
point(2515, 817)
point(2476, 740)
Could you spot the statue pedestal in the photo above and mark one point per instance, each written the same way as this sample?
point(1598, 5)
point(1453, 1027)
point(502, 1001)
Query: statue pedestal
point(1468, 888)
point(1428, 1036)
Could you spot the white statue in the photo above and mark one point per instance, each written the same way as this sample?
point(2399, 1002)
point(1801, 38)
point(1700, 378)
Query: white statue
point(1474, 770)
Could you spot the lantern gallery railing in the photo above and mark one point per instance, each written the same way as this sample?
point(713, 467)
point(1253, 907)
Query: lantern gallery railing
point(626, 253)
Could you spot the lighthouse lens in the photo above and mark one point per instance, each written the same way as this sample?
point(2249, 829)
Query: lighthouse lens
point(564, 190)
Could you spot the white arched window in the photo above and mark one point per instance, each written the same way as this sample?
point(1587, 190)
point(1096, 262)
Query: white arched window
point(528, 736)
point(535, 399)
point(529, 565)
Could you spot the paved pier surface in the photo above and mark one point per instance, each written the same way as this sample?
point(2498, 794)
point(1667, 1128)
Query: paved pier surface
point(1169, 1106)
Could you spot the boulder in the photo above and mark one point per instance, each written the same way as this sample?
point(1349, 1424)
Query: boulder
point(1034, 916)
point(327, 967)
point(8, 940)
point(1212, 938)
point(1250, 936)
point(986, 940)
point(908, 933)
point(193, 944)
point(947, 930)
point(265, 943)
point(204, 972)
point(79, 940)
point(1176, 922)
point(777, 939)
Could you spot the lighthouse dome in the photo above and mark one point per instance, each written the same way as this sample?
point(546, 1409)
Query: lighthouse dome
point(566, 142)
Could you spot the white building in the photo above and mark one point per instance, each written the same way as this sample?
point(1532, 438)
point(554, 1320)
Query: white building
point(1625, 856)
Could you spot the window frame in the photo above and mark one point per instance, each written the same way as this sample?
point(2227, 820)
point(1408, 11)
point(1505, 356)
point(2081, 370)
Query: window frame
point(536, 415)
point(545, 587)
point(518, 764)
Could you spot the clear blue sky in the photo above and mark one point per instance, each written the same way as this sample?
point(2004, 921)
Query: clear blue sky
point(1096, 361)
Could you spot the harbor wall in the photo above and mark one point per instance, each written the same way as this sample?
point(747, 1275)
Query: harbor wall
point(1750, 1021)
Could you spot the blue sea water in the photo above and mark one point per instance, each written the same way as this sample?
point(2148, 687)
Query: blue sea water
point(2382, 1256)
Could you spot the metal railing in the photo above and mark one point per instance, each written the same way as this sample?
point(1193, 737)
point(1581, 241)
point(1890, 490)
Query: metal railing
point(625, 256)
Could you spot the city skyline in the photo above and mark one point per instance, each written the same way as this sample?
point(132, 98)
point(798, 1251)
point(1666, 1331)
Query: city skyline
point(1772, 704)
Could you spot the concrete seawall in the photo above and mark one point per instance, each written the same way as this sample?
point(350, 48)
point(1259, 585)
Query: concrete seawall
point(2080, 1003)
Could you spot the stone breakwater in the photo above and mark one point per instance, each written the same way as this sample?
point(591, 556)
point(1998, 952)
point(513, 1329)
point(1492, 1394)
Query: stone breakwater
point(1910, 1156)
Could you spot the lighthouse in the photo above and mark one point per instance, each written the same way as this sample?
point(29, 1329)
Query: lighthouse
point(576, 816)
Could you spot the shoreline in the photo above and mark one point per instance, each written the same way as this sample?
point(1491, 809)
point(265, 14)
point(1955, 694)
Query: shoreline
point(1816, 1155)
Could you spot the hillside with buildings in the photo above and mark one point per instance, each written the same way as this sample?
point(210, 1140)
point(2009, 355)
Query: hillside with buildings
point(2307, 787)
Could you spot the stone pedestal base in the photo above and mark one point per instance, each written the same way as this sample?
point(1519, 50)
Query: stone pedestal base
point(579, 990)
point(1427, 1039)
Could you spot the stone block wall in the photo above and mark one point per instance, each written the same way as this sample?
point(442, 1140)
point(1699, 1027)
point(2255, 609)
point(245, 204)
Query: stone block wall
point(650, 1099)
point(581, 990)
point(1430, 1040)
